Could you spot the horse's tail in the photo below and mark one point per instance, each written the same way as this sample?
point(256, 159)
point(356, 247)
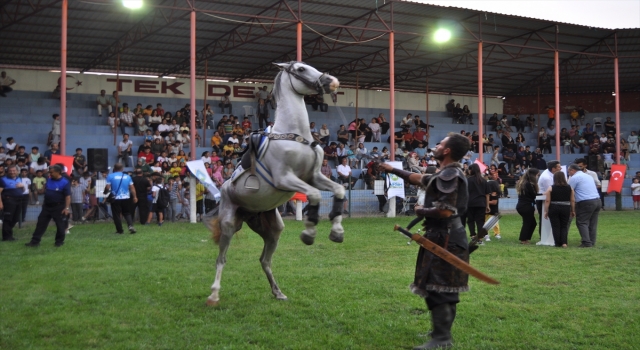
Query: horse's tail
point(216, 231)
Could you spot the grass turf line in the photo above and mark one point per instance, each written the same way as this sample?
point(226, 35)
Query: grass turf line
point(147, 291)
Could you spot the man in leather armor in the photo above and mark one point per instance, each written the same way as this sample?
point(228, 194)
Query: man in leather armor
point(437, 281)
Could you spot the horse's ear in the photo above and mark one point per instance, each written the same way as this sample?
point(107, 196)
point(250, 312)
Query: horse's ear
point(283, 65)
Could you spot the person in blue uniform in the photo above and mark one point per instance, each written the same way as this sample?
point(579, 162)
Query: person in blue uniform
point(11, 188)
point(56, 207)
point(121, 185)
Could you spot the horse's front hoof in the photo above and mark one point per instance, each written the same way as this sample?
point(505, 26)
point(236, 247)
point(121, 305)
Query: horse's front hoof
point(336, 237)
point(212, 302)
point(306, 239)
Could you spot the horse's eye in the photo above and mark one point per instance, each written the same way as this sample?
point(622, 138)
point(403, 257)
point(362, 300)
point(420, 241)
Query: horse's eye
point(301, 69)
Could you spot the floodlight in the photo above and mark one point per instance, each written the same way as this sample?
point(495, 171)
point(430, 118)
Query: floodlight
point(442, 35)
point(132, 4)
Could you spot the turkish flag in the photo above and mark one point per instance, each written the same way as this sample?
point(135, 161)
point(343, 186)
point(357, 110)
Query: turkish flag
point(617, 178)
point(67, 161)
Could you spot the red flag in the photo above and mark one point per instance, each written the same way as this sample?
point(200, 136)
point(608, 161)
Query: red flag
point(66, 160)
point(481, 165)
point(617, 178)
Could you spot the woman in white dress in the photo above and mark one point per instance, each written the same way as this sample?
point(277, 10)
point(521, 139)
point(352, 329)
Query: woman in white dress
point(633, 142)
point(375, 130)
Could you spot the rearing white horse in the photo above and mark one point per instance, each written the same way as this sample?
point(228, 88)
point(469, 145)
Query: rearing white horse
point(285, 162)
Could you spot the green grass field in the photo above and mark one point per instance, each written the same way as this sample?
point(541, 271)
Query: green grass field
point(148, 291)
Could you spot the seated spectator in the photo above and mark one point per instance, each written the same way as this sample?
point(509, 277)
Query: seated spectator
point(111, 120)
point(457, 114)
point(126, 119)
point(574, 117)
point(324, 134)
point(420, 150)
point(184, 139)
point(385, 155)
point(49, 153)
point(164, 129)
point(325, 169)
point(517, 123)
point(141, 125)
point(493, 121)
point(146, 155)
point(344, 174)
point(407, 121)
point(432, 161)
point(142, 165)
point(504, 124)
point(418, 137)
point(375, 154)
point(609, 126)
point(450, 106)
point(343, 135)
point(246, 123)
point(466, 116)
point(157, 147)
point(331, 153)
point(5, 84)
point(374, 127)
point(466, 159)
point(414, 163)
point(11, 145)
point(419, 123)
point(531, 121)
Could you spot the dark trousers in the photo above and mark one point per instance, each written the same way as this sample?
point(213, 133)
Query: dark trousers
point(11, 216)
point(76, 211)
point(24, 205)
point(527, 212)
point(435, 298)
point(4, 90)
point(262, 120)
point(475, 219)
point(587, 220)
point(143, 209)
point(121, 206)
point(539, 207)
point(223, 106)
point(47, 214)
point(559, 216)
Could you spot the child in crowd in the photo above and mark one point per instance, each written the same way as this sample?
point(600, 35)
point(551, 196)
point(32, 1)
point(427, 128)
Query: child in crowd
point(38, 186)
point(635, 192)
point(494, 195)
point(77, 200)
point(111, 121)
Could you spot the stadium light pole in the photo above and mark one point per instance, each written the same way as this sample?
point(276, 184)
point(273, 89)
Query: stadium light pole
point(63, 79)
point(192, 129)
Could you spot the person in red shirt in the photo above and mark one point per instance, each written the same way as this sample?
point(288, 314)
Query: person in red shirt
point(246, 124)
point(159, 109)
point(408, 139)
point(418, 136)
point(146, 155)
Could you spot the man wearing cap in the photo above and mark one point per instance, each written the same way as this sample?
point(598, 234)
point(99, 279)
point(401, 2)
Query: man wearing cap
point(56, 207)
point(11, 188)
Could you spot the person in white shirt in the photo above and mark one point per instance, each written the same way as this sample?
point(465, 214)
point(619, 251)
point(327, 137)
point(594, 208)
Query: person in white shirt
point(407, 121)
point(155, 191)
point(233, 139)
point(206, 158)
point(103, 101)
point(164, 128)
point(545, 180)
point(344, 174)
point(124, 149)
point(375, 130)
point(10, 145)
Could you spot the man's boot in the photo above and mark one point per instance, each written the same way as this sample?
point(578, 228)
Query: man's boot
point(442, 317)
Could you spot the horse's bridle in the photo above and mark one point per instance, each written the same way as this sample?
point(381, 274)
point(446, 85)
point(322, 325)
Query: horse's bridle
point(317, 85)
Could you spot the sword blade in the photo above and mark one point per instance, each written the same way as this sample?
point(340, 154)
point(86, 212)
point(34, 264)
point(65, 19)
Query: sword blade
point(447, 256)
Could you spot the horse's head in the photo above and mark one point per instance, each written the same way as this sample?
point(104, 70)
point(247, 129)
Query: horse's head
point(306, 80)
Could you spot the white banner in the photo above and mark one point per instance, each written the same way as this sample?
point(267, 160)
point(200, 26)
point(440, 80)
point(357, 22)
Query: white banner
point(395, 184)
point(197, 168)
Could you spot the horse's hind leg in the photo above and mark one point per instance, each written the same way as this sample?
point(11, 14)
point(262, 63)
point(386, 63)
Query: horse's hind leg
point(229, 225)
point(269, 225)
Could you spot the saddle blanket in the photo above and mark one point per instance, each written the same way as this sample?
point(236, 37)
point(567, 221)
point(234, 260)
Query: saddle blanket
point(261, 169)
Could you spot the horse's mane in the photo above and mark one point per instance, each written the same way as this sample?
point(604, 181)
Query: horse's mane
point(276, 87)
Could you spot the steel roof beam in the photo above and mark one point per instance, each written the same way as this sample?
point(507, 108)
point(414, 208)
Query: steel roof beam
point(239, 35)
point(319, 45)
point(23, 9)
point(548, 74)
point(159, 19)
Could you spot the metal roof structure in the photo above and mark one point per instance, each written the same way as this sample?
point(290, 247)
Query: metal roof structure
point(239, 40)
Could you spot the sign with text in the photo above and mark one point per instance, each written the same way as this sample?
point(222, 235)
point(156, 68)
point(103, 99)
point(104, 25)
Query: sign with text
point(395, 184)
